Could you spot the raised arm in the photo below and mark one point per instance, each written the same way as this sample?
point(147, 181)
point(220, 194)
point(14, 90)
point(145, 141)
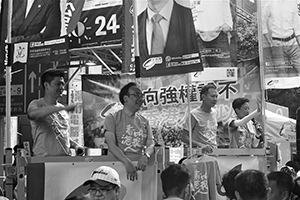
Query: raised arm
point(35, 112)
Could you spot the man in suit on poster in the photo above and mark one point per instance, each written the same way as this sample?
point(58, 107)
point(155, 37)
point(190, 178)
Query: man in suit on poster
point(164, 30)
point(35, 20)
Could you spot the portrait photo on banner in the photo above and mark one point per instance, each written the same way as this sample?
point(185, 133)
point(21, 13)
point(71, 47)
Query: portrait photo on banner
point(215, 24)
point(280, 41)
point(166, 38)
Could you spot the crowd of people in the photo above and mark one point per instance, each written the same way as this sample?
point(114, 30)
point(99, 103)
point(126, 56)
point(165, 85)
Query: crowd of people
point(256, 185)
point(250, 184)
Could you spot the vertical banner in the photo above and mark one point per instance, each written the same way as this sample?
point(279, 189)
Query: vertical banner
point(165, 37)
point(280, 40)
point(100, 23)
point(75, 97)
point(128, 38)
point(3, 25)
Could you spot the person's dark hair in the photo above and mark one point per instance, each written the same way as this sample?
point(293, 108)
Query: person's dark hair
point(49, 76)
point(228, 182)
point(293, 164)
point(238, 102)
point(174, 179)
point(283, 180)
point(182, 159)
point(251, 184)
point(206, 88)
point(124, 91)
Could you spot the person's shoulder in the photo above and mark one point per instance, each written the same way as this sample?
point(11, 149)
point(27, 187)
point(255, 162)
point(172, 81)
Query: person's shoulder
point(113, 115)
point(182, 8)
point(196, 110)
point(37, 102)
point(214, 111)
point(140, 116)
point(142, 15)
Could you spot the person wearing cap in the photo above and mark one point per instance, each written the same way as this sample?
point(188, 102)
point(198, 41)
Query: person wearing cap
point(127, 132)
point(104, 184)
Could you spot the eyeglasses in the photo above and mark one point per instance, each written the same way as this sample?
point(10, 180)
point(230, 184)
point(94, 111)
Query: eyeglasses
point(103, 191)
point(138, 96)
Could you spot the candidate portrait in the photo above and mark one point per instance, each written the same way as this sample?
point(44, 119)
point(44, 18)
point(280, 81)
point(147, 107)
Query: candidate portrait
point(35, 20)
point(166, 27)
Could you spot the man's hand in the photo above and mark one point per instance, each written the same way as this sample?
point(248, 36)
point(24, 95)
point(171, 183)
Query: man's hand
point(70, 108)
point(131, 171)
point(142, 164)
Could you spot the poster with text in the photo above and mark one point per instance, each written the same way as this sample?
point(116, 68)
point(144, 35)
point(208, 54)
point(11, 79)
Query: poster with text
point(100, 23)
point(280, 41)
point(165, 38)
point(166, 101)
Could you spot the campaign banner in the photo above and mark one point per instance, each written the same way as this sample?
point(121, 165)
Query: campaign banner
point(215, 24)
point(128, 38)
point(281, 51)
point(75, 98)
point(100, 96)
point(165, 101)
point(165, 39)
point(41, 52)
point(86, 22)
point(100, 23)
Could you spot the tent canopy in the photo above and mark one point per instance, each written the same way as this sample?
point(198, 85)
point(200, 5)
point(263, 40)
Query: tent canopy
point(279, 128)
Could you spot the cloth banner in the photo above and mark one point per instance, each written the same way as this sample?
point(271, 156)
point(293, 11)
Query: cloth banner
point(165, 101)
point(226, 163)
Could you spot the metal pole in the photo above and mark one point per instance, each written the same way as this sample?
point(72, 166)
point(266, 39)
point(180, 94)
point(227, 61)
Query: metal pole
point(103, 63)
point(8, 79)
point(115, 55)
point(262, 70)
point(189, 113)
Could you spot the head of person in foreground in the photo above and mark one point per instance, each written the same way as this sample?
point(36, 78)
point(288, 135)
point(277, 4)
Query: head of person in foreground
point(251, 185)
point(176, 181)
point(104, 184)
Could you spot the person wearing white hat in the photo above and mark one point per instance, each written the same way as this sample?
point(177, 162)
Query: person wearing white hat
point(104, 184)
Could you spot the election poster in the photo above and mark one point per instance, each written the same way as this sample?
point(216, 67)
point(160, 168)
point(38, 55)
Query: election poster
point(165, 38)
point(100, 23)
point(280, 42)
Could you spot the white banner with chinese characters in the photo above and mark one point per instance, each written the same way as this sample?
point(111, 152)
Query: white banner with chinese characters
point(75, 97)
